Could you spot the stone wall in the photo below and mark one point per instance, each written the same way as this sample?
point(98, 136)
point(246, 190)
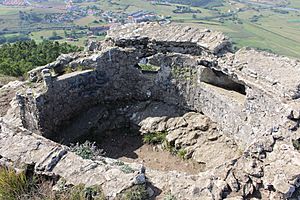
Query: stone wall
point(114, 78)
point(225, 87)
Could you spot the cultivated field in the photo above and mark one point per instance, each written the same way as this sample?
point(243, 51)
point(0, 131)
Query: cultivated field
point(248, 23)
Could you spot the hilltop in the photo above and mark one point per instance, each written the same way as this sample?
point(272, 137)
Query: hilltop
point(268, 25)
point(173, 111)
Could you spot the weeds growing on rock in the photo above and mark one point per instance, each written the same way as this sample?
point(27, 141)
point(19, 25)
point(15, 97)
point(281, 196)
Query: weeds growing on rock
point(12, 185)
point(149, 67)
point(181, 153)
point(19, 186)
point(68, 70)
point(126, 169)
point(137, 192)
point(87, 150)
point(170, 197)
point(80, 192)
point(155, 138)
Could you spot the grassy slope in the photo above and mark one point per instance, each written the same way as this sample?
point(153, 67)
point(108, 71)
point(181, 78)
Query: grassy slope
point(278, 32)
point(274, 31)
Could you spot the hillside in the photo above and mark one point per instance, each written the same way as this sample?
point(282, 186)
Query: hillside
point(263, 24)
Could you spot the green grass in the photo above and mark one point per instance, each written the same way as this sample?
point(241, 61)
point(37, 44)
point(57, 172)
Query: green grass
point(149, 67)
point(181, 153)
point(137, 192)
point(155, 138)
point(274, 31)
point(12, 185)
point(6, 79)
point(87, 150)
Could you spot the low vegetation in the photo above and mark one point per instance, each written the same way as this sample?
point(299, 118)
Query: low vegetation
point(18, 58)
point(296, 144)
point(87, 150)
point(126, 169)
point(149, 67)
point(155, 138)
point(160, 138)
point(24, 185)
point(137, 192)
point(181, 153)
point(170, 197)
point(13, 185)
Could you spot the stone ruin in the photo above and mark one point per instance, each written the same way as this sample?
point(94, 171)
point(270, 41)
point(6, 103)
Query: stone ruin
point(236, 113)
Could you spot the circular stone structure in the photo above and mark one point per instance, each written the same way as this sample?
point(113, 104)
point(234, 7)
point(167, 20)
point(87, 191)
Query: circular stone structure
point(236, 114)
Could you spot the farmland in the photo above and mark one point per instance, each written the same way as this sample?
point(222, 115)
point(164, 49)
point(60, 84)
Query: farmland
point(269, 25)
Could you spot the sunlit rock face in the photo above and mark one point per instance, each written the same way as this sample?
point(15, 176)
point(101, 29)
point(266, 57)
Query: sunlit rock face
point(237, 113)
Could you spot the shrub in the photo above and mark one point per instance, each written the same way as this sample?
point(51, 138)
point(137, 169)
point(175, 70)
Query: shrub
point(181, 153)
point(87, 150)
point(126, 169)
point(137, 192)
point(155, 138)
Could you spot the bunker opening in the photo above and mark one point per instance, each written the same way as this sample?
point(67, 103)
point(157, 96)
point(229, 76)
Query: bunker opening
point(219, 79)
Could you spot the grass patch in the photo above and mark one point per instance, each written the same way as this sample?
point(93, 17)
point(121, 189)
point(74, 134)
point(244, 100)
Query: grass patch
point(87, 150)
point(181, 153)
point(160, 138)
point(137, 192)
point(155, 138)
point(80, 192)
point(127, 169)
point(149, 67)
point(13, 185)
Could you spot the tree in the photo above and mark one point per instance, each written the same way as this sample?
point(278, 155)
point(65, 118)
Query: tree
point(18, 58)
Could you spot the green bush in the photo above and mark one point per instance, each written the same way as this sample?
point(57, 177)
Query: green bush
point(137, 192)
point(87, 150)
point(181, 153)
point(155, 138)
point(126, 169)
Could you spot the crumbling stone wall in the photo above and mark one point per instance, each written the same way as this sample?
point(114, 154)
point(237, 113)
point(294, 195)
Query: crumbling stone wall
point(220, 86)
point(114, 78)
point(253, 96)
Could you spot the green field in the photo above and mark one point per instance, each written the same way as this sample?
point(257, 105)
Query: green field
point(272, 29)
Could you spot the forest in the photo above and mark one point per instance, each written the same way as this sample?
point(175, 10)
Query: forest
point(18, 58)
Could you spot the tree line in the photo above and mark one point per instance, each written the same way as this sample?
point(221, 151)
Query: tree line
point(18, 58)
